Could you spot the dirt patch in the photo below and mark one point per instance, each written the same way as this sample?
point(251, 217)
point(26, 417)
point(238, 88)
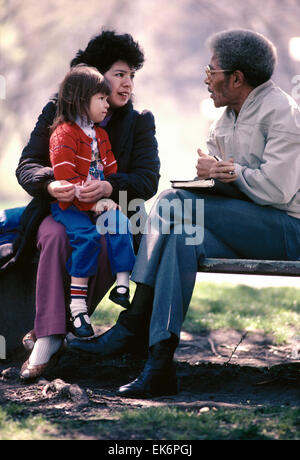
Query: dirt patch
point(216, 369)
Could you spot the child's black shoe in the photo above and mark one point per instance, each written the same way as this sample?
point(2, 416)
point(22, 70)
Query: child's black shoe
point(119, 298)
point(84, 329)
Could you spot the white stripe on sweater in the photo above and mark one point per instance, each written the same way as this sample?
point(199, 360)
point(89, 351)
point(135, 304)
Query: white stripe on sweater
point(81, 158)
point(111, 163)
point(63, 163)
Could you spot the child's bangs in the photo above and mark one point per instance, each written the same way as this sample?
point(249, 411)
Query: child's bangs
point(103, 87)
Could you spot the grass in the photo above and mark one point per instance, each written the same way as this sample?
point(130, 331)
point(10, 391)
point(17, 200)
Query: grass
point(106, 313)
point(173, 423)
point(159, 423)
point(274, 311)
point(17, 427)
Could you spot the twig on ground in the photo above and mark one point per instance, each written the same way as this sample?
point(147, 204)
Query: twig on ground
point(236, 347)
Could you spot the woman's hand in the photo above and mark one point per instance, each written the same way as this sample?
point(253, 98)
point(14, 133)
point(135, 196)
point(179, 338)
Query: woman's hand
point(94, 190)
point(62, 190)
point(106, 204)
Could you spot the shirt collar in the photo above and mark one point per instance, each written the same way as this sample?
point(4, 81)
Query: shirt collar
point(83, 123)
point(258, 91)
point(87, 127)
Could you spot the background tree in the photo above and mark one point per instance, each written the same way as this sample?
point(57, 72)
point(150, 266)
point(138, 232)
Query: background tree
point(38, 40)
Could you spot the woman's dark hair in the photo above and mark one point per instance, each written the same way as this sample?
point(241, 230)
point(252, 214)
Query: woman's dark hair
point(105, 49)
point(75, 92)
point(247, 51)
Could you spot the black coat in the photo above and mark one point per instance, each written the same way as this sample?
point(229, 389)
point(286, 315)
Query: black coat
point(134, 145)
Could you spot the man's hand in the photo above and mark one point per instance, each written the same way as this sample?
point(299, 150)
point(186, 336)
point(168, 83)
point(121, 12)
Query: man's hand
point(204, 164)
point(94, 190)
point(62, 190)
point(208, 166)
point(223, 171)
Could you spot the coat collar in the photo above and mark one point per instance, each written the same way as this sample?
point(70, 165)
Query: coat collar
point(119, 128)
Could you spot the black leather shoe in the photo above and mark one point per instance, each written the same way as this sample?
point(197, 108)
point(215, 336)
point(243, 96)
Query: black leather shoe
point(152, 383)
point(84, 330)
point(118, 298)
point(115, 340)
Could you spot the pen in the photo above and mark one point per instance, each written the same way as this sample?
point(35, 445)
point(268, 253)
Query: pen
point(217, 158)
point(220, 159)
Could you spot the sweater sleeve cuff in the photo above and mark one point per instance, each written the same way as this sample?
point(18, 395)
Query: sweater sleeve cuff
point(238, 170)
point(45, 188)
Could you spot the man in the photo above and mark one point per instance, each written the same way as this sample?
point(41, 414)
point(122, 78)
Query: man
point(257, 143)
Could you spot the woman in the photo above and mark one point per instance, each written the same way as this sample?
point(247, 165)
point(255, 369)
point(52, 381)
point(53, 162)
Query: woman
point(132, 136)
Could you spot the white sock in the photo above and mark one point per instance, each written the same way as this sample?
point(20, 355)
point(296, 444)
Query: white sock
point(78, 302)
point(44, 348)
point(78, 306)
point(122, 280)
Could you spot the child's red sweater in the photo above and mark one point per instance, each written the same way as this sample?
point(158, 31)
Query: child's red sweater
point(71, 154)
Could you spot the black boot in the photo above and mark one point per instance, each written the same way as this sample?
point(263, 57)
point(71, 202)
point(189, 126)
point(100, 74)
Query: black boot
point(159, 375)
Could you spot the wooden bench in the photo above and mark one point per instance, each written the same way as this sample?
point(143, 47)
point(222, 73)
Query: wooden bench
point(251, 267)
point(17, 289)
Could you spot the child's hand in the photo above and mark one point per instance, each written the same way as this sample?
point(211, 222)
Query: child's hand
point(105, 204)
point(94, 190)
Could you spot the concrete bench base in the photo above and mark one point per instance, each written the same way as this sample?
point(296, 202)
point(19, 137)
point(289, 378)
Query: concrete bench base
point(17, 306)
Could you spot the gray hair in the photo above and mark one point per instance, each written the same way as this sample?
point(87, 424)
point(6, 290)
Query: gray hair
point(247, 51)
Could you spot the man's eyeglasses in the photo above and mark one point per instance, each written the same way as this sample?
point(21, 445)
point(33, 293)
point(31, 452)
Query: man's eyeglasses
point(210, 72)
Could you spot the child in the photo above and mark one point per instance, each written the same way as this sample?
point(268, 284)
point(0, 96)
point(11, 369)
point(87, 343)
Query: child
point(80, 152)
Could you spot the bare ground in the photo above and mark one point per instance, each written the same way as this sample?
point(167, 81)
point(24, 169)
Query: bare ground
point(216, 369)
